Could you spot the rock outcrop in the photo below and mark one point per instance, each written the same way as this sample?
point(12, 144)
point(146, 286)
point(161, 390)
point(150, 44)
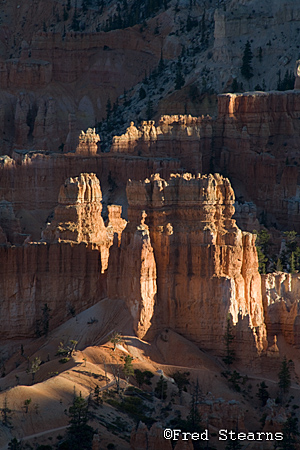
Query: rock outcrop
point(281, 297)
point(66, 270)
point(65, 276)
point(185, 137)
point(88, 142)
point(256, 144)
point(205, 266)
point(152, 439)
point(132, 274)
point(77, 218)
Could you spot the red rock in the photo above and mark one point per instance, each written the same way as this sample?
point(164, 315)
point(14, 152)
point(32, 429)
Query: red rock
point(205, 266)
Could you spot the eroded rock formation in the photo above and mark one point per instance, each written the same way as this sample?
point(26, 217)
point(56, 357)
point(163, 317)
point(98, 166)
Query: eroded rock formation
point(205, 266)
point(66, 270)
point(281, 295)
point(256, 144)
point(88, 142)
point(186, 137)
point(65, 276)
point(132, 274)
point(77, 218)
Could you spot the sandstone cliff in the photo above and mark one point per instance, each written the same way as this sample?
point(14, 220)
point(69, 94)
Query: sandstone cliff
point(185, 137)
point(205, 266)
point(65, 276)
point(256, 144)
point(66, 271)
point(281, 294)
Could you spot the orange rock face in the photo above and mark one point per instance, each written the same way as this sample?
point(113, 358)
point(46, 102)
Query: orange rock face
point(78, 218)
point(205, 266)
point(185, 137)
point(281, 293)
point(67, 270)
point(256, 142)
point(88, 142)
point(66, 276)
point(132, 274)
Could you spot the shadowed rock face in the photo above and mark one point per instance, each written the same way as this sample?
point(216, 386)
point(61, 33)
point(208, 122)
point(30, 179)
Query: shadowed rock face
point(205, 266)
point(281, 293)
point(66, 270)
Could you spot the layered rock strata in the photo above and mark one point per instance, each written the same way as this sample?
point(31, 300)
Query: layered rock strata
point(65, 271)
point(205, 266)
point(77, 218)
point(185, 137)
point(88, 142)
point(65, 276)
point(132, 274)
point(281, 297)
point(256, 144)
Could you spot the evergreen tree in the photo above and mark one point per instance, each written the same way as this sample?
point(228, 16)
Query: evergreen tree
point(179, 80)
point(127, 368)
point(260, 54)
point(68, 5)
point(228, 339)
point(149, 111)
point(142, 93)
point(161, 388)
point(14, 444)
point(116, 337)
point(284, 377)
point(193, 420)
point(80, 434)
point(97, 395)
point(143, 377)
point(65, 15)
point(5, 412)
point(35, 367)
point(45, 319)
point(75, 21)
point(246, 69)
point(290, 433)
point(263, 394)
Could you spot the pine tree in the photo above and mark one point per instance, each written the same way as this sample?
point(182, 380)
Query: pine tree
point(65, 15)
point(108, 108)
point(161, 388)
point(142, 93)
point(75, 21)
point(149, 111)
point(179, 80)
point(246, 69)
point(35, 367)
point(46, 317)
point(228, 339)
point(79, 432)
point(5, 412)
point(290, 433)
point(127, 368)
point(284, 377)
point(14, 444)
point(69, 5)
point(263, 394)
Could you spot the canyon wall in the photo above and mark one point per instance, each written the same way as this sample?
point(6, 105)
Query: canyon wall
point(65, 276)
point(281, 295)
point(205, 266)
point(185, 137)
point(256, 145)
point(66, 270)
point(253, 141)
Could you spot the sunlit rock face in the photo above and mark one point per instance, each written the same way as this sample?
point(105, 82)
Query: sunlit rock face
point(206, 267)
